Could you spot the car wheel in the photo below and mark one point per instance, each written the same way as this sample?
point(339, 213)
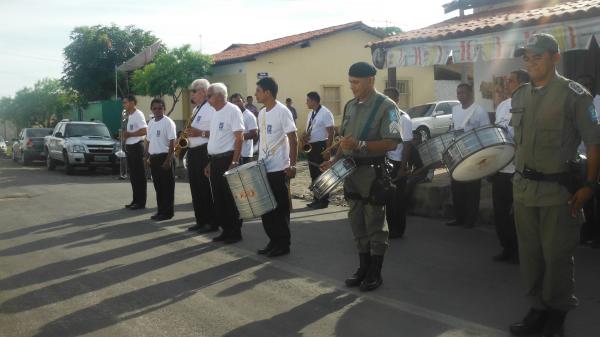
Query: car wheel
point(424, 131)
point(50, 163)
point(69, 169)
point(24, 160)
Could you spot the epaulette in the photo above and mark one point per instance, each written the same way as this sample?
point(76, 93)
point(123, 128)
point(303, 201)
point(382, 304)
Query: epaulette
point(578, 88)
point(519, 88)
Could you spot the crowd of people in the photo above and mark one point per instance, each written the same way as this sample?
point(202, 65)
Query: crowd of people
point(537, 202)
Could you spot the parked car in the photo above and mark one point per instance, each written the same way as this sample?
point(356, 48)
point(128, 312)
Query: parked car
point(29, 145)
point(3, 147)
point(81, 144)
point(432, 119)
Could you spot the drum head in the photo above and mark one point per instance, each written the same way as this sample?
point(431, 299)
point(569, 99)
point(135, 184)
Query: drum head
point(484, 162)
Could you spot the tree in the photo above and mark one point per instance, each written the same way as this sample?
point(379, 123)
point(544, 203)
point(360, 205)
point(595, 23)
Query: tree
point(171, 73)
point(44, 104)
point(93, 53)
point(391, 30)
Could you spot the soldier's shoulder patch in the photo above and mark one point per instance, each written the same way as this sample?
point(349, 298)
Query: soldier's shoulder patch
point(519, 89)
point(578, 88)
point(593, 114)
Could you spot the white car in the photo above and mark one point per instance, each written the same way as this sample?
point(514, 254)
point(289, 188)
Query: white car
point(432, 119)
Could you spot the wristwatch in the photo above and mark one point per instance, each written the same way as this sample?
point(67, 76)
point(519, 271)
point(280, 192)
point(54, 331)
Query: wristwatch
point(235, 162)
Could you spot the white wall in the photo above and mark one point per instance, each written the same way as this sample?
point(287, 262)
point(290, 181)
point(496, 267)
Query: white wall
point(445, 90)
point(485, 72)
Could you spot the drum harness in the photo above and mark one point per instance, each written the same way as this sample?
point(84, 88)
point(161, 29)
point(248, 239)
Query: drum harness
point(382, 186)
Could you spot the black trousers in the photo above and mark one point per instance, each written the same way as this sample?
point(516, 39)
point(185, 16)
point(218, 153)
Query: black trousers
point(197, 159)
point(164, 184)
point(504, 216)
point(395, 208)
point(465, 196)
point(315, 156)
point(590, 229)
point(137, 172)
point(226, 213)
point(277, 222)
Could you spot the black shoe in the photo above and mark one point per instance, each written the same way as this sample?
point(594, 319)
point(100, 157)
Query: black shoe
point(268, 248)
point(206, 229)
point(504, 256)
point(320, 205)
point(454, 224)
point(194, 228)
point(373, 279)
point(361, 272)
point(155, 216)
point(532, 324)
point(554, 323)
point(232, 239)
point(219, 238)
point(312, 203)
point(279, 251)
point(163, 217)
point(136, 206)
point(129, 205)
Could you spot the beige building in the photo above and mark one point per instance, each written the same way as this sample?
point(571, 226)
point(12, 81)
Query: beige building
point(313, 61)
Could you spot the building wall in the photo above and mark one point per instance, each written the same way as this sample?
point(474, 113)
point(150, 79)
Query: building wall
point(445, 90)
point(485, 72)
point(421, 84)
point(234, 77)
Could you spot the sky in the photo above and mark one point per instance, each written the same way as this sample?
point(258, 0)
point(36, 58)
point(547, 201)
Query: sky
point(34, 32)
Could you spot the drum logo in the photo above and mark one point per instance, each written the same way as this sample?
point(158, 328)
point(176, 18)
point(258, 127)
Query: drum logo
point(247, 194)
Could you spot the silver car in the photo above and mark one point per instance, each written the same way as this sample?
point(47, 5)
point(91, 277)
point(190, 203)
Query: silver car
point(432, 119)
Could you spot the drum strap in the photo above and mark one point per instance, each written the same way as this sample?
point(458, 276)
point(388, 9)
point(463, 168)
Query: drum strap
point(365, 131)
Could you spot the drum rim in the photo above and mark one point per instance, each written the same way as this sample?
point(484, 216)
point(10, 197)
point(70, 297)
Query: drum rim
point(342, 178)
point(483, 148)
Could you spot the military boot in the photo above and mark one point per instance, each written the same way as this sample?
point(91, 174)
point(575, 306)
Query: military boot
point(532, 324)
point(373, 278)
point(361, 272)
point(554, 323)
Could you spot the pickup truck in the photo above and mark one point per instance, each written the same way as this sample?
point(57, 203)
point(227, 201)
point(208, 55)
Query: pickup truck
point(81, 144)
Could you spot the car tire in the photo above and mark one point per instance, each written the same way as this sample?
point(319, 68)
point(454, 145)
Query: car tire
point(69, 169)
point(424, 131)
point(50, 163)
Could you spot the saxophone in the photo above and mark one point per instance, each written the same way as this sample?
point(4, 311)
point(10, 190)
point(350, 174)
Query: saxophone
point(182, 141)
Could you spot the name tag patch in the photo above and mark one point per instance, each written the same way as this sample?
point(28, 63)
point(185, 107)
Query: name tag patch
point(157, 133)
point(593, 114)
point(269, 128)
point(221, 124)
point(131, 127)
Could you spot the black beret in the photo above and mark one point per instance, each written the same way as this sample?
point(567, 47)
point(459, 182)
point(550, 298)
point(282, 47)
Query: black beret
point(362, 69)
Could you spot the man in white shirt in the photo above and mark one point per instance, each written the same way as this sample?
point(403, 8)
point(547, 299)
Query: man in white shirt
point(466, 116)
point(224, 149)
point(250, 128)
point(159, 152)
point(279, 149)
point(395, 208)
point(319, 133)
point(502, 192)
point(134, 146)
point(197, 158)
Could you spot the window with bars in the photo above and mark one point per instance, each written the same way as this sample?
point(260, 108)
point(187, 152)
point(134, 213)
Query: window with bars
point(332, 99)
point(403, 87)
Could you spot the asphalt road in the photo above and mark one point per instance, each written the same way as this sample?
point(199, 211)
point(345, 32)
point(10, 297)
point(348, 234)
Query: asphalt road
point(73, 262)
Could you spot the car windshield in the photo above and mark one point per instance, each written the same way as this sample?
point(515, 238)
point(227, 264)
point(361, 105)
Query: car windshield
point(93, 130)
point(424, 110)
point(38, 132)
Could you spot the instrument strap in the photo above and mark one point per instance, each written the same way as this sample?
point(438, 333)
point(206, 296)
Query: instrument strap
point(365, 131)
point(263, 135)
point(312, 117)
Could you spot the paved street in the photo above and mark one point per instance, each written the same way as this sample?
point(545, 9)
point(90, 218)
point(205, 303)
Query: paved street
point(73, 262)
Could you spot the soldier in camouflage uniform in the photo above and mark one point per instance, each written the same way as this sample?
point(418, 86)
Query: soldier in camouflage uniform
point(370, 127)
point(550, 116)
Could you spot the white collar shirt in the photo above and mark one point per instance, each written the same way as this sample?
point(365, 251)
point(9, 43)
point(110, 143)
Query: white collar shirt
point(201, 122)
point(223, 124)
point(135, 122)
point(249, 124)
point(160, 133)
point(274, 147)
point(323, 119)
point(478, 118)
point(405, 134)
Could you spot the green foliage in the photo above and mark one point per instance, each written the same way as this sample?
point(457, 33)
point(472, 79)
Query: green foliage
point(391, 30)
point(42, 105)
point(171, 73)
point(94, 51)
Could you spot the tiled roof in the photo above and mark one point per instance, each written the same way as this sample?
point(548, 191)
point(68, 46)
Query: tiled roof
point(529, 14)
point(242, 52)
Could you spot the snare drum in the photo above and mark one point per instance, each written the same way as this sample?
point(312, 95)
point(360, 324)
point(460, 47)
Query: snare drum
point(431, 151)
point(331, 178)
point(479, 153)
point(251, 190)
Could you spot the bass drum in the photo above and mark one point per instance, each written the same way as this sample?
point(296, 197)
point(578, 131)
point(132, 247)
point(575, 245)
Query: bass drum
point(479, 153)
point(333, 177)
point(431, 151)
point(251, 190)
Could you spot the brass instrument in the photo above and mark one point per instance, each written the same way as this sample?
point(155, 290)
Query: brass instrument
point(121, 154)
point(306, 147)
point(182, 141)
point(334, 144)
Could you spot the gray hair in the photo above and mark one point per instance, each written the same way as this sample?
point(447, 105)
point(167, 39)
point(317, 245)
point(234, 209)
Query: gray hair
point(200, 83)
point(219, 88)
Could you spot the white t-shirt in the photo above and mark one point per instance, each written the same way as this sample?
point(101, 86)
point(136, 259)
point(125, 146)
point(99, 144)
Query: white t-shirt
point(159, 134)
point(503, 117)
point(597, 103)
point(405, 134)
point(249, 124)
point(479, 117)
point(135, 122)
point(274, 146)
point(223, 124)
point(201, 122)
point(323, 120)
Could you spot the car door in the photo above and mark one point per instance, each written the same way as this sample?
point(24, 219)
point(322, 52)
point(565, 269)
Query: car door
point(55, 142)
point(19, 144)
point(443, 117)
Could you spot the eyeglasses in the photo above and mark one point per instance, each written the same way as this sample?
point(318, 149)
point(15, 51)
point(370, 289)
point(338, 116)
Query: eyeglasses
point(193, 91)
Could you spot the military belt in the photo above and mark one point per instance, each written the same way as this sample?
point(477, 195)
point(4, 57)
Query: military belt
point(539, 176)
point(369, 161)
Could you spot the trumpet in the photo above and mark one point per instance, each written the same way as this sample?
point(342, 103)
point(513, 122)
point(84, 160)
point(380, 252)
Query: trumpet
point(334, 144)
point(182, 141)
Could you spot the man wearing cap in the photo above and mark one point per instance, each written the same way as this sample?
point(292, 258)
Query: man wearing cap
point(370, 127)
point(550, 117)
